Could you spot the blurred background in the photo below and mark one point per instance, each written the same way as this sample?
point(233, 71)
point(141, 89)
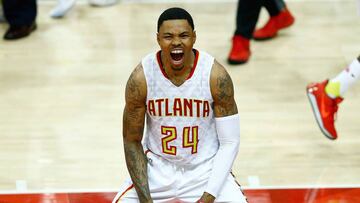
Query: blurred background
point(62, 94)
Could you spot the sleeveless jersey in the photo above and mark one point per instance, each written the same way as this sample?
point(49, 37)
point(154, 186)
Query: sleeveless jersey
point(180, 123)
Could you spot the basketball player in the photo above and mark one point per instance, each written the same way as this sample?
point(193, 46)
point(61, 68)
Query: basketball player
point(324, 97)
point(192, 125)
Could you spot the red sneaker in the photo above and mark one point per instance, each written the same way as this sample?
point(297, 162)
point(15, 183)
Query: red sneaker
point(240, 50)
point(283, 20)
point(324, 108)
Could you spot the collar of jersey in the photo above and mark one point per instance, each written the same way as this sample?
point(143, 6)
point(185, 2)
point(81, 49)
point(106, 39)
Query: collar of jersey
point(158, 57)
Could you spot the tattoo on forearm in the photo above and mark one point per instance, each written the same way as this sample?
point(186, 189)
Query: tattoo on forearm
point(137, 165)
point(136, 160)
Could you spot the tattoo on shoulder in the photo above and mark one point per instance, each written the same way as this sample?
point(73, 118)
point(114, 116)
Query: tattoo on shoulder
point(224, 86)
point(133, 86)
point(225, 95)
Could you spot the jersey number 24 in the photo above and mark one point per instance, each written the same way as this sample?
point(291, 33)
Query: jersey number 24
point(189, 139)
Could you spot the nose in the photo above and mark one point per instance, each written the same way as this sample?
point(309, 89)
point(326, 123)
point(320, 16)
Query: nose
point(176, 41)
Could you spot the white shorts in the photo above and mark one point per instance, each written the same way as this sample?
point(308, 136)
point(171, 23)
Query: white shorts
point(173, 184)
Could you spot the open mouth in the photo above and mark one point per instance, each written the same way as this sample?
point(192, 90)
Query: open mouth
point(177, 55)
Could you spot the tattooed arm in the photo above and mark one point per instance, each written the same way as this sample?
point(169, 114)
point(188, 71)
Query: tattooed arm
point(222, 90)
point(228, 130)
point(133, 128)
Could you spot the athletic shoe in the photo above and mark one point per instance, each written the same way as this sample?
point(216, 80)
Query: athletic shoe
point(283, 20)
point(18, 32)
point(240, 50)
point(324, 108)
point(62, 8)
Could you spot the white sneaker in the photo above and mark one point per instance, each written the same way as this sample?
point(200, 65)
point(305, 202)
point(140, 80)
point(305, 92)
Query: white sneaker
point(102, 2)
point(62, 8)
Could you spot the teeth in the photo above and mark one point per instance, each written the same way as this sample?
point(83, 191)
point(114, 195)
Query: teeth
point(177, 51)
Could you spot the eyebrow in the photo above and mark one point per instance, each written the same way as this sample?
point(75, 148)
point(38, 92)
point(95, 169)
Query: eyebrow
point(169, 33)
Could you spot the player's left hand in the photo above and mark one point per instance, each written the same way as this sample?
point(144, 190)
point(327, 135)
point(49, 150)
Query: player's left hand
point(206, 198)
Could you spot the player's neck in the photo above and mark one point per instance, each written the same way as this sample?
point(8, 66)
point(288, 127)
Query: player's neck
point(179, 75)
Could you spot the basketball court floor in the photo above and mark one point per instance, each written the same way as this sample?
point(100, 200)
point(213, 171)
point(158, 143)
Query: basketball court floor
point(62, 97)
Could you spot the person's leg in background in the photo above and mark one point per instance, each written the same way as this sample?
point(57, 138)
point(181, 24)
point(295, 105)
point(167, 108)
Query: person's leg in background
point(274, 6)
point(325, 96)
point(280, 18)
point(246, 18)
point(21, 16)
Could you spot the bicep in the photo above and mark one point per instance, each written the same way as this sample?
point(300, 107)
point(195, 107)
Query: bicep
point(222, 90)
point(135, 108)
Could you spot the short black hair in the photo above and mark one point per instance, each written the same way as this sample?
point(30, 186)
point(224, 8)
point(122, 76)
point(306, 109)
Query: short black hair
point(174, 14)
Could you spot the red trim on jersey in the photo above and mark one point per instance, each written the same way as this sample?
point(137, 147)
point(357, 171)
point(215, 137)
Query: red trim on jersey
point(129, 188)
point(195, 63)
point(158, 57)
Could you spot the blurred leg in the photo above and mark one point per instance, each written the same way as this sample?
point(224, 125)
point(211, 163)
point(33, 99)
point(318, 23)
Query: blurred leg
point(246, 17)
point(20, 12)
point(274, 6)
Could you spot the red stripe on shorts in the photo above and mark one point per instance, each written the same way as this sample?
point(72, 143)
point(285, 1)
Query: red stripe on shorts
point(129, 188)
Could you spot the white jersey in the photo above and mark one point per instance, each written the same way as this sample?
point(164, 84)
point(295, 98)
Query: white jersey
point(180, 123)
